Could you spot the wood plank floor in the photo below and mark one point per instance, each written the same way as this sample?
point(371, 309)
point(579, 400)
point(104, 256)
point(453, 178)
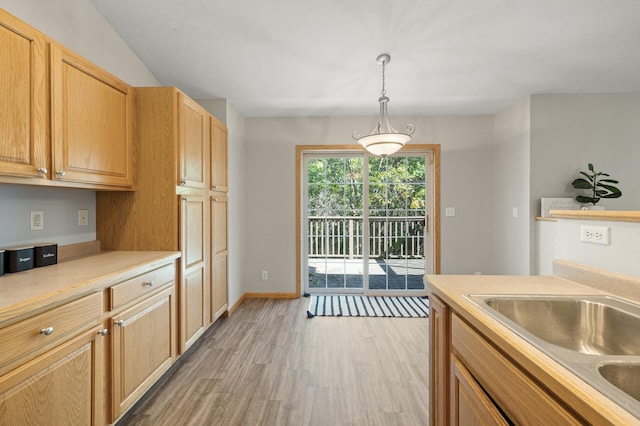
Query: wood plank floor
point(267, 364)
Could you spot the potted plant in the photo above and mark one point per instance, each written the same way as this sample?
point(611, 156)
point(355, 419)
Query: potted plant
point(598, 184)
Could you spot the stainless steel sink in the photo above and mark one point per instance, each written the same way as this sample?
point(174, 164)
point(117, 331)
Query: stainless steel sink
point(585, 325)
point(596, 337)
point(624, 376)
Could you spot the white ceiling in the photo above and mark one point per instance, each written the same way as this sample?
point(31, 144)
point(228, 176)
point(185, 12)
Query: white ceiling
point(317, 58)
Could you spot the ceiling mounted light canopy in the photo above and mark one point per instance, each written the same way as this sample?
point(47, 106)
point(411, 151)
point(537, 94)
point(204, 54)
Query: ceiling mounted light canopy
point(384, 140)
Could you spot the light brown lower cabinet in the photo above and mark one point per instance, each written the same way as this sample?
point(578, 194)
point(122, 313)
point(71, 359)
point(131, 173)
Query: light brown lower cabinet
point(58, 368)
point(469, 404)
point(64, 386)
point(143, 347)
point(474, 383)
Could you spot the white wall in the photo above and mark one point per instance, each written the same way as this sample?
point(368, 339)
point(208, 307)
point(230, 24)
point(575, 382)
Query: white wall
point(77, 25)
point(621, 256)
point(510, 189)
point(570, 131)
point(270, 189)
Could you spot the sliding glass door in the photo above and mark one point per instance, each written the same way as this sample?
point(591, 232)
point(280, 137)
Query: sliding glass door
point(365, 223)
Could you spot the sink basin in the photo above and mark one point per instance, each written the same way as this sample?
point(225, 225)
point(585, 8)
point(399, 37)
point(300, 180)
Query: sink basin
point(583, 325)
point(595, 337)
point(625, 377)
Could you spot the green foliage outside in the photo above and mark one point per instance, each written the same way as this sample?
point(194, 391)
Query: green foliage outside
point(396, 186)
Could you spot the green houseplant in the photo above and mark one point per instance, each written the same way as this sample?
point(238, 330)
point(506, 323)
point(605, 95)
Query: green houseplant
point(598, 185)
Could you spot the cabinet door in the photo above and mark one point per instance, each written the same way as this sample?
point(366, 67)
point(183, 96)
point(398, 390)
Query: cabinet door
point(219, 297)
point(469, 404)
point(23, 110)
point(195, 290)
point(219, 174)
point(143, 348)
point(219, 256)
point(193, 128)
point(219, 232)
point(62, 387)
point(91, 125)
point(439, 350)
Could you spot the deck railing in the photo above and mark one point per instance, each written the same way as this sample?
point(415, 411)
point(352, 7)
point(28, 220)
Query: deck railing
point(399, 236)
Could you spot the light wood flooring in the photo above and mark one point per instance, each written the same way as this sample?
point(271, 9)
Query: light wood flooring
point(268, 364)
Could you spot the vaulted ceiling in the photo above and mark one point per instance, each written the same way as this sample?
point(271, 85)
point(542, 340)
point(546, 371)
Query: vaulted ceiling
point(318, 58)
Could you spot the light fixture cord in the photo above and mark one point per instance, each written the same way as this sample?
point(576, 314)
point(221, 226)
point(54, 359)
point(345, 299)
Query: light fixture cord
point(384, 92)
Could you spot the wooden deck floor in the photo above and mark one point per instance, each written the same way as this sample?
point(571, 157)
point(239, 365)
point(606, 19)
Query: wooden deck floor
point(268, 364)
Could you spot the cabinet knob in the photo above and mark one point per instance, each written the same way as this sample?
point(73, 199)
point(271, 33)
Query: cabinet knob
point(119, 322)
point(215, 186)
point(42, 170)
point(61, 173)
point(183, 181)
point(46, 331)
point(103, 332)
point(148, 283)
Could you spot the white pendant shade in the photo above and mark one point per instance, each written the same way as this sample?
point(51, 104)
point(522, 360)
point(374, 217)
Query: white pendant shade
point(383, 144)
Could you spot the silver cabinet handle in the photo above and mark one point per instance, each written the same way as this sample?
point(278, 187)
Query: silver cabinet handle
point(215, 200)
point(215, 186)
point(61, 173)
point(148, 283)
point(46, 331)
point(119, 322)
point(42, 170)
point(103, 332)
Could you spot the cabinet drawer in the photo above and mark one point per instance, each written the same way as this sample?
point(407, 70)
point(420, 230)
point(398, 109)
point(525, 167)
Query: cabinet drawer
point(519, 397)
point(127, 291)
point(35, 335)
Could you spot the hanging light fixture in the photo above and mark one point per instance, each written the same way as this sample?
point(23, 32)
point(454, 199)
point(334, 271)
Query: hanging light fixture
point(384, 140)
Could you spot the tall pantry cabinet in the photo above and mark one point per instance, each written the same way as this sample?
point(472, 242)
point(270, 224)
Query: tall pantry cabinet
point(171, 209)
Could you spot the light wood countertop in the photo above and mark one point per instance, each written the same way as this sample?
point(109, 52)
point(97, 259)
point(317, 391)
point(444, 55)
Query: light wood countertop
point(29, 292)
point(577, 394)
point(616, 216)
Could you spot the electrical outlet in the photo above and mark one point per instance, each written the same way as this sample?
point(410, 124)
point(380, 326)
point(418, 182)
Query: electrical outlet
point(594, 234)
point(37, 220)
point(265, 275)
point(83, 217)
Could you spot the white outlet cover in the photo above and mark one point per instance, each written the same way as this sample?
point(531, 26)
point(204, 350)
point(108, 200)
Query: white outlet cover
point(83, 217)
point(36, 220)
point(595, 234)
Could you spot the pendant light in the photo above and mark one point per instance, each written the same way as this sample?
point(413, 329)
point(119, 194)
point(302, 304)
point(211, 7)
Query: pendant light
point(384, 140)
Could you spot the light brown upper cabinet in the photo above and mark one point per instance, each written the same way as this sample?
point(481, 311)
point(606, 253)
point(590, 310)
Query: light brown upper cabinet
point(23, 110)
point(68, 125)
point(219, 177)
point(193, 123)
point(91, 126)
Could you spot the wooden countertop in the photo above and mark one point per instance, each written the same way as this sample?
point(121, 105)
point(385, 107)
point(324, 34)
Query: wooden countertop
point(616, 216)
point(583, 398)
point(29, 292)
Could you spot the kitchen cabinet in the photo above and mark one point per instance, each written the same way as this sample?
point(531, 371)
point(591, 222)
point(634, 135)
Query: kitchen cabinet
point(91, 125)
point(56, 361)
point(24, 109)
point(439, 354)
point(170, 209)
point(195, 288)
point(469, 404)
point(219, 156)
point(478, 384)
point(143, 347)
point(195, 137)
point(219, 256)
point(64, 121)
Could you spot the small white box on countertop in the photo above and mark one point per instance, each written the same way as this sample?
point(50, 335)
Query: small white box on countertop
point(547, 204)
